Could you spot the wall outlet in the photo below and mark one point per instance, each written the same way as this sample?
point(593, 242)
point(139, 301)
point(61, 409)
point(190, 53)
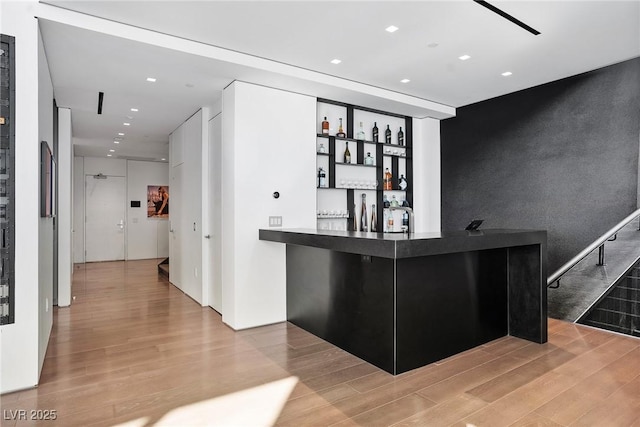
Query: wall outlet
point(275, 221)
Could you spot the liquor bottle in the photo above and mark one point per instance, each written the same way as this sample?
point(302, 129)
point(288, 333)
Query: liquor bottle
point(385, 202)
point(360, 134)
point(368, 160)
point(375, 132)
point(405, 203)
point(322, 178)
point(322, 149)
point(347, 153)
point(400, 137)
point(325, 127)
point(386, 182)
point(363, 216)
point(390, 222)
point(405, 220)
point(402, 183)
point(374, 219)
point(394, 202)
point(341, 133)
point(387, 135)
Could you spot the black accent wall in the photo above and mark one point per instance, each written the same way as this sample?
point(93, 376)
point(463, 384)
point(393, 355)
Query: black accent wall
point(562, 156)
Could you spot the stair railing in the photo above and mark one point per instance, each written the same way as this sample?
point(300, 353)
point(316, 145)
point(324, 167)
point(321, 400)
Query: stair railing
point(597, 244)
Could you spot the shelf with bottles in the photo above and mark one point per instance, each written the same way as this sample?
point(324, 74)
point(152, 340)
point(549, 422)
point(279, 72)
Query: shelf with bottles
point(384, 139)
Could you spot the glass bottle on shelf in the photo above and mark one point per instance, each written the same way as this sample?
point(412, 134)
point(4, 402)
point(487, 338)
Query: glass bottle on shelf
point(405, 220)
point(405, 203)
point(374, 131)
point(387, 135)
point(363, 216)
point(390, 222)
point(347, 153)
point(400, 137)
point(341, 133)
point(385, 201)
point(322, 178)
point(325, 127)
point(402, 183)
point(360, 134)
point(386, 182)
point(368, 160)
point(374, 219)
point(321, 149)
point(394, 202)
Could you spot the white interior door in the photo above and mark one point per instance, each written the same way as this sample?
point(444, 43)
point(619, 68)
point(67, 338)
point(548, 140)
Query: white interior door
point(105, 199)
point(176, 239)
point(215, 213)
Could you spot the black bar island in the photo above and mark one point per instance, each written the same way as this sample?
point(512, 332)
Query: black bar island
point(401, 301)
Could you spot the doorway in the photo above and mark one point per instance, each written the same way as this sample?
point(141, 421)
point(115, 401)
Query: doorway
point(105, 227)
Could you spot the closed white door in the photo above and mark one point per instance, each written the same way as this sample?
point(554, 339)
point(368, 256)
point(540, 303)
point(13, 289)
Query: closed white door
point(105, 198)
point(176, 238)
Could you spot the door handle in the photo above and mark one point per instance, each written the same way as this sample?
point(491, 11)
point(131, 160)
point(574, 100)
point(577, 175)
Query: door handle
point(121, 224)
point(207, 236)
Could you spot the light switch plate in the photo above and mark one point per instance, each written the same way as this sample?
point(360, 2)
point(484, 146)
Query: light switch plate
point(275, 221)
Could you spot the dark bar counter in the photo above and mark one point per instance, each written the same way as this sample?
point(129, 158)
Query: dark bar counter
point(401, 301)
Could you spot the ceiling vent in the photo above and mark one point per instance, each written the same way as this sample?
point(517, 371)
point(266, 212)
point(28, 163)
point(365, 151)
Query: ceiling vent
point(100, 99)
point(142, 159)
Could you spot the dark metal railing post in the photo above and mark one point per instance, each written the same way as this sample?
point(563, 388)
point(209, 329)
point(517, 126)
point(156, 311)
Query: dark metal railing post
point(601, 259)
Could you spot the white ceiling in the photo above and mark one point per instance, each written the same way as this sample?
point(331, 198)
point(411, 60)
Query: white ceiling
point(576, 36)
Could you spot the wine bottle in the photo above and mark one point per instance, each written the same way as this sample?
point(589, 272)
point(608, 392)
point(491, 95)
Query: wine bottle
point(405, 220)
point(341, 133)
point(363, 216)
point(375, 132)
point(374, 219)
point(385, 201)
point(400, 137)
point(360, 134)
point(325, 127)
point(402, 183)
point(386, 182)
point(405, 203)
point(347, 153)
point(387, 135)
point(322, 178)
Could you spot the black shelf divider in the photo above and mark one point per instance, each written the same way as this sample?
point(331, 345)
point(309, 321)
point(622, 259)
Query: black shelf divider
point(332, 164)
point(408, 136)
point(352, 210)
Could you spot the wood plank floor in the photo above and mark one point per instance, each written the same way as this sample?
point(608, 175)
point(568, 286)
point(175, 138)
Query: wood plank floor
point(134, 350)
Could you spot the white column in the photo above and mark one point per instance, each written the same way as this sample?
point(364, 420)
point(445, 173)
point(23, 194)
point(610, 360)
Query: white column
point(426, 174)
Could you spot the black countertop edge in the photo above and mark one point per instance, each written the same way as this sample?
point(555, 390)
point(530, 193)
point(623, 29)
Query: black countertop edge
point(397, 245)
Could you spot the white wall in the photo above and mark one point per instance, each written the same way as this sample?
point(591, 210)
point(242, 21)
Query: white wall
point(19, 367)
point(187, 143)
point(78, 210)
point(268, 145)
point(45, 241)
point(65, 207)
point(146, 237)
point(426, 174)
point(212, 251)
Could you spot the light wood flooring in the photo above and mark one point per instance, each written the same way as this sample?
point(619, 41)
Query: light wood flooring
point(134, 350)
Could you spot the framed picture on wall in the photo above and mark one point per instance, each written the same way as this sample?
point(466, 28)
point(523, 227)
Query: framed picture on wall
point(158, 201)
point(46, 180)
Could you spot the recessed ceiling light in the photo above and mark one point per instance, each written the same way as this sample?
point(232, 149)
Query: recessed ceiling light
point(151, 79)
point(392, 28)
point(112, 151)
point(120, 133)
point(134, 110)
point(109, 155)
point(336, 61)
point(464, 57)
point(507, 73)
point(127, 124)
point(116, 142)
point(163, 159)
point(405, 81)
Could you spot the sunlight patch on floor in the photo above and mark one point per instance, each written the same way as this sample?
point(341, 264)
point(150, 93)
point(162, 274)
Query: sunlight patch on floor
point(257, 406)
